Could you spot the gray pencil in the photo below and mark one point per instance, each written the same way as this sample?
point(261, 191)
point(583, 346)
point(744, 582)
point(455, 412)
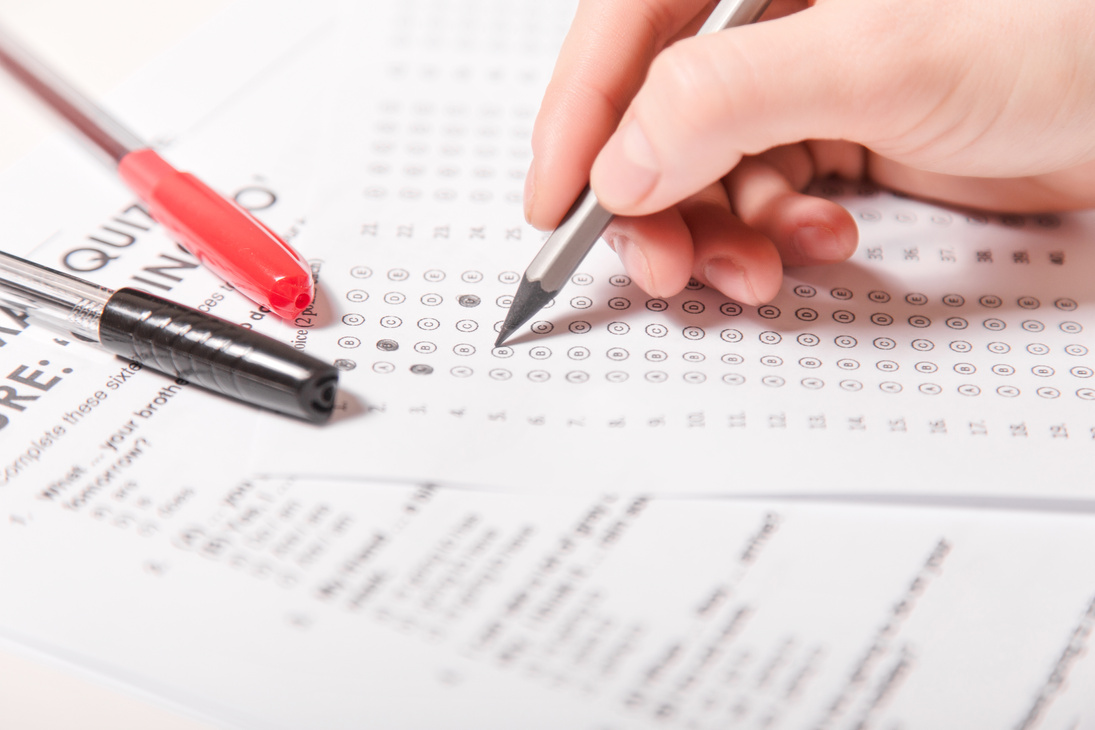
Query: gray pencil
point(587, 220)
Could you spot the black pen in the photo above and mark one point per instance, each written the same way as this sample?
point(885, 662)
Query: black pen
point(173, 339)
point(587, 220)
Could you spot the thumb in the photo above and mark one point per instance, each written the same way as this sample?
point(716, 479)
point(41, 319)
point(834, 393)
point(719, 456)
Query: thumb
point(710, 100)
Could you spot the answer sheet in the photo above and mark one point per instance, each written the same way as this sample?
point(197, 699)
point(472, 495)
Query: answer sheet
point(599, 525)
point(950, 356)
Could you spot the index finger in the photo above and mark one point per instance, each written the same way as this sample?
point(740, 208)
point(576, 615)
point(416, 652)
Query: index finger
point(601, 66)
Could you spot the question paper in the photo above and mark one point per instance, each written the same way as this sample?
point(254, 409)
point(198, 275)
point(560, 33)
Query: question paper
point(864, 504)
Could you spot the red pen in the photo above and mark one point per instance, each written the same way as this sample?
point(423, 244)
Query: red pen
point(227, 239)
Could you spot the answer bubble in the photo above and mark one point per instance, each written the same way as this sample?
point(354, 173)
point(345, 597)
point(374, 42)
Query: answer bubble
point(621, 328)
point(768, 337)
point(657, 305)
point(579, 327)
point(693, 333)
point(731, 309)
point(768, 311)
point(807, 339)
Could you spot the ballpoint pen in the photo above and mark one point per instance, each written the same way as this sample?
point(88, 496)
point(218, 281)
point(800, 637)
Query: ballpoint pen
point(173, 339)
point(586, 220)
point(228, 240)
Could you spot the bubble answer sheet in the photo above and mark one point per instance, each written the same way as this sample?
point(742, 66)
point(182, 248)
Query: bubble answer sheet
point(866, 504)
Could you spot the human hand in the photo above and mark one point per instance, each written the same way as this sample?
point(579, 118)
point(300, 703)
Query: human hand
point(985, 105)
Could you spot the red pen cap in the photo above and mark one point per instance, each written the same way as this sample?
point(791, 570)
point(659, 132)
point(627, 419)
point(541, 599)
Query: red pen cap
point(220, 234)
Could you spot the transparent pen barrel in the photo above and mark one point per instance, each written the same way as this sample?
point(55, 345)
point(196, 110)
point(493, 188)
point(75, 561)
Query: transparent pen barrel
point(51, 299)
point(106, 135)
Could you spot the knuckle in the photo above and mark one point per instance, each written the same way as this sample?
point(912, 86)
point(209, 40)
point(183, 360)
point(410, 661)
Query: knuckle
point(689, 86)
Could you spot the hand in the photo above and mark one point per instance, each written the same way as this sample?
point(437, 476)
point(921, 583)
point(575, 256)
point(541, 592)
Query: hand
point(986, 105)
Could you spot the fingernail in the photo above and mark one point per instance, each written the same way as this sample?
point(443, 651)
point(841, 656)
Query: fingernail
point(817, 243)
point(730, 279)
point(530, 190)
point(635, 263)
point(627, 167)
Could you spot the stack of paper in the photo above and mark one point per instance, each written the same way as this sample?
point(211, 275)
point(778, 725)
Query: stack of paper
point(867, 504)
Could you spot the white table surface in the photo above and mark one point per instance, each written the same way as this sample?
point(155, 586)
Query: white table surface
point(96, 45)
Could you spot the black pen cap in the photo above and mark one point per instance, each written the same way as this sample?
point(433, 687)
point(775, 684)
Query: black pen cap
point(218, 355)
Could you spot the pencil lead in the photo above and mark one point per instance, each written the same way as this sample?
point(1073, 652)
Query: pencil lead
point(529, 299)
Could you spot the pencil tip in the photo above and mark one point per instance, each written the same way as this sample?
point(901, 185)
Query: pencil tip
point(529, 299)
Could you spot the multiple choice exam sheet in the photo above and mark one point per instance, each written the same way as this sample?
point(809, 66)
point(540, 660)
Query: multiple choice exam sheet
point(639, 513)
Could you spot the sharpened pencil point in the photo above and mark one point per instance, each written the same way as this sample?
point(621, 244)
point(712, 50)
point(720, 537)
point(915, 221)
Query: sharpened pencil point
point(529, 299)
